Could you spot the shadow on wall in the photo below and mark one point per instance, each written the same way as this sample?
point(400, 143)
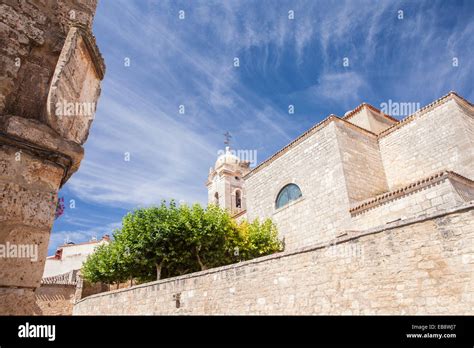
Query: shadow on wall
point(57, 295)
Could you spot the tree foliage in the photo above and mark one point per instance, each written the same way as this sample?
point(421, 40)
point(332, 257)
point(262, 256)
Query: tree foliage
point(108, 264)
point(170, 240)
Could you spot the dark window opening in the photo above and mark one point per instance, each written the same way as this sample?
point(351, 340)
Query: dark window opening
point(238, 199)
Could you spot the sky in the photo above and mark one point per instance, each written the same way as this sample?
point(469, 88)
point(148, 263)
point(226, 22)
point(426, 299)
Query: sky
point(320, 57)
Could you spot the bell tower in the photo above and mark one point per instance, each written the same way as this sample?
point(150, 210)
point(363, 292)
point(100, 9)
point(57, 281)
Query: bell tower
point(225, 185)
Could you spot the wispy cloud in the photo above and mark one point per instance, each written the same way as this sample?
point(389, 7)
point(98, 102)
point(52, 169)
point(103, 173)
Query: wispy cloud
point(138, 117)
point(81, 235)
point(343, 87)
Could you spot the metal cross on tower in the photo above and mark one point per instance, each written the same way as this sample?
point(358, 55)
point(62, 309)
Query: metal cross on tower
point(227, 138)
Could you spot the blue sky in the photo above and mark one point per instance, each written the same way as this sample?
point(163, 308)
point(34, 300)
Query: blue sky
point(283, 62)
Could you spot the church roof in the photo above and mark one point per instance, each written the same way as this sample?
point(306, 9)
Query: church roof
point(371, 107)
point(304, 136)
point(332, 118)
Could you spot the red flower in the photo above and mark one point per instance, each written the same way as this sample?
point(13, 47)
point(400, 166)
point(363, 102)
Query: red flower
point(59, 208)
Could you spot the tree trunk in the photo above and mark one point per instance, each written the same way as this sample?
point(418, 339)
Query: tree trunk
point(158, 271)
point(203, 267)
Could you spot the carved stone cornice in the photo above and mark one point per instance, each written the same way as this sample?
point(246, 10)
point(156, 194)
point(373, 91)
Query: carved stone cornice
point(41, 141)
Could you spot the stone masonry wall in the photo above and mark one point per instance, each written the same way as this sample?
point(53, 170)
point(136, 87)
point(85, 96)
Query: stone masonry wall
point(33, 33)
point(363, 168)
point(431, 199)
point(55, 299)
point(439, 140)
point(315, 166)
point(370, 120)
point(27, 206)
point(423, 266)
point(467, 117)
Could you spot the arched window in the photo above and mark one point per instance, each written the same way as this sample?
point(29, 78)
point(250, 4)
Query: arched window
point(238, 199)
point(287, 194)
point(216, 199)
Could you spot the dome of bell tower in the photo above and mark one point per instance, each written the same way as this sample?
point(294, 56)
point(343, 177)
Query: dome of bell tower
point(227, 158)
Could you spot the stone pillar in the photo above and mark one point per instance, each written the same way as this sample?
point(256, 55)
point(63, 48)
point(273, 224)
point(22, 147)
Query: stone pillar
point(50, 73)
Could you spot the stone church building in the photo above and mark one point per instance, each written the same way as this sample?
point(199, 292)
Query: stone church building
point(377, 216)
point(401, 191)
point(360, 171)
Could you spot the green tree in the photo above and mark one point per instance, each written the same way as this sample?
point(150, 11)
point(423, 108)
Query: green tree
point(152, 236)
point(107, 264)
point(170, 240)
point(209, 232)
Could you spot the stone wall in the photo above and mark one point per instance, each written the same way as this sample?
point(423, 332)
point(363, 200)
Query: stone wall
point(57, 294)
point(443, 192)
point(54, 299)
point(367, 117)
point(27, 204)
point(315, 166)
point(467, 114)
point(418, 266)
point(362, 163)
point(33, 33)
point(440, 138)
point(48, 57)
